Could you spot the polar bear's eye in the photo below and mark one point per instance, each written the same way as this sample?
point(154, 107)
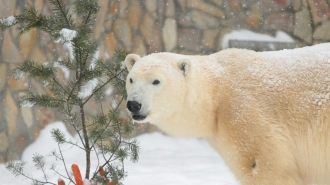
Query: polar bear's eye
point(130, 80)
point(155, 82)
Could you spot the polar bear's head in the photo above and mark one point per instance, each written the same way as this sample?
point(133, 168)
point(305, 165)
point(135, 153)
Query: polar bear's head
point(155, 86)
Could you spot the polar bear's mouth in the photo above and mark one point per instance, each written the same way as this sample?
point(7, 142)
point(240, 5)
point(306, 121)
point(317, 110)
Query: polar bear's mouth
point(138, 117)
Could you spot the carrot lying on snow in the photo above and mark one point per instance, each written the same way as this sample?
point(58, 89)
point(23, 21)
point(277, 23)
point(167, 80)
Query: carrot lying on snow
point(60, 182)
point(76, 174)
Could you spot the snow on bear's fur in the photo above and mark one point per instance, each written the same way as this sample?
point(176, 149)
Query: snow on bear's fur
point(266, 113)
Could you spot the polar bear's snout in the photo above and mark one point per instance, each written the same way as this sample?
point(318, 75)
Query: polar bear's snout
point(133, 106)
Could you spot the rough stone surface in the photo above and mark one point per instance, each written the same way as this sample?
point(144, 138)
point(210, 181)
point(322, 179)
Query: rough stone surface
point(123, 32)
point(184, 20)
point(134, 14)
point(3, 75)
point(170, 34)
point(209, 38)
point(189, 39)
point(151, 33)
point(123, 4)
point(217, 2)
point(282, 21)
point(11, 113)
point(275, 5)
point(99, 21)
point(182, 4)
point(235, 5)
point(10, 52)
point(113, 9)
point(7, 8)
point(139, 46)
point(27, 116)
point(202, 20)
point(254, 16)
point(204, 7)
point(322, 32)
point(296, 4)
point(170, 8)
point(38, 55)
point(156, 42)
point(151, 5)
point(19, 84)
point(3, 142)
point(27, 43)
point(302, 27)
point(110, 42)
point(319, 9)
point(39, 5)
point(44, 116)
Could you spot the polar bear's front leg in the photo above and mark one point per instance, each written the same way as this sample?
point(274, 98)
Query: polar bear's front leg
point(262, 163)
point(266, 169)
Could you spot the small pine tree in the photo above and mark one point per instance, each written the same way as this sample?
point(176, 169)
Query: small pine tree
point(90, 77)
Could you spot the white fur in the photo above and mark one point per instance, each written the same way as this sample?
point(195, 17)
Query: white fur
point(267, 114)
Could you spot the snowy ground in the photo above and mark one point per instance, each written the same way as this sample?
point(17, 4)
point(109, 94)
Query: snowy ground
point(163, 161)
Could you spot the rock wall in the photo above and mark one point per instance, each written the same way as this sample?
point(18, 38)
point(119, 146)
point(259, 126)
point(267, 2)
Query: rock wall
point(142, 27)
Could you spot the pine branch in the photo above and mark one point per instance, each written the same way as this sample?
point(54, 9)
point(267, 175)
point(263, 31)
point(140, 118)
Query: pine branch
point(86, 139)
point(100, 87)
point(64, 97)
point(62, 12)
point(39, 100)
point(64, 164)
point(17, 169)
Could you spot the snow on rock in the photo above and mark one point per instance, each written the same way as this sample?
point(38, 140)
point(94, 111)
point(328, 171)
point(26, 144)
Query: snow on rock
point(8, 21)
point(252, 36)
point(27, 103)
point(66, 35)
point(87, 89)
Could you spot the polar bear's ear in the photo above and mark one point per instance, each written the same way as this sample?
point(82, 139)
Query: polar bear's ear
point(184, 65)
point(130, 60)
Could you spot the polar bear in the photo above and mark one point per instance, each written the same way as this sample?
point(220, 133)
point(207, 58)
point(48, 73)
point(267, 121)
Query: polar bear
point(266, 113)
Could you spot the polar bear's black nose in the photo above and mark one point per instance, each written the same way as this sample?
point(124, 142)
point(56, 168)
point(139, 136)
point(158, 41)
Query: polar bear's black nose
point(133, 106)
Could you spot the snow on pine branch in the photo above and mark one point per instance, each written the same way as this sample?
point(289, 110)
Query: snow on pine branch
point(18, 74)
point(8, 21)
point(26, 103)
point(64, 69)
point(66, 35)
point(87, 89)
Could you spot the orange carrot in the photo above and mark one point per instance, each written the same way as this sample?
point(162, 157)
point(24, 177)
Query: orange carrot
point(76, 174)
point(113, 182)
point(60, 182)
point(102, 173)
point(101, 170)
